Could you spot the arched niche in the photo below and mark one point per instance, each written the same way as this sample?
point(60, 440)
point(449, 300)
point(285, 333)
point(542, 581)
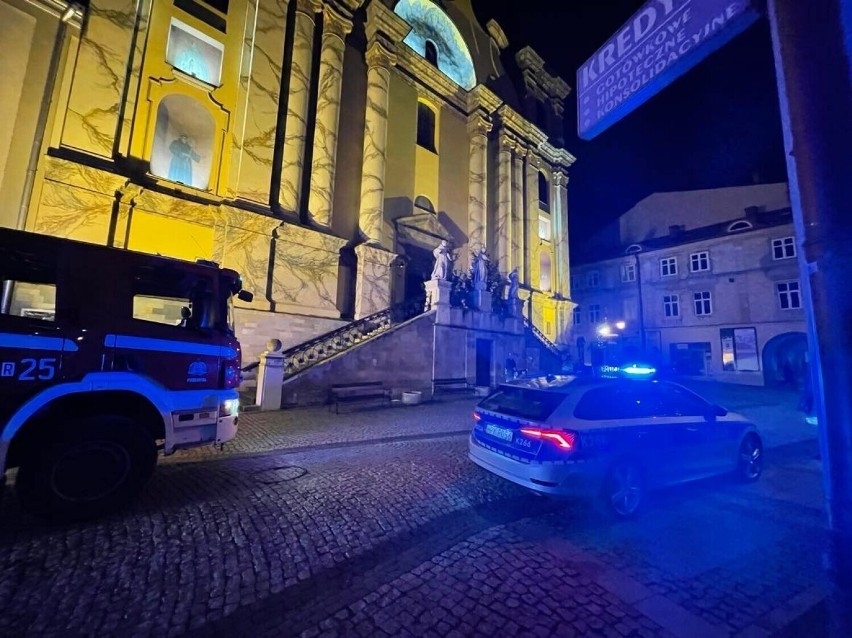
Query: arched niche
point(184, 135)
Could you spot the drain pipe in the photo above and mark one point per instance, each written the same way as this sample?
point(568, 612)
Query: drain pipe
point(71, 13)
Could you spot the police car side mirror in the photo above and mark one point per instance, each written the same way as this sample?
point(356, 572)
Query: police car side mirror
point(245, 295)
point(714, 411)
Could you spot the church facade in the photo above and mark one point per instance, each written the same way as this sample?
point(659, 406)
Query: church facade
point(322, 148)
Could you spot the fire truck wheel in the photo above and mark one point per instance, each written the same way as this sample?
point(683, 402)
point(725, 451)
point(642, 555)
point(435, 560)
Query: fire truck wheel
point(90, 466)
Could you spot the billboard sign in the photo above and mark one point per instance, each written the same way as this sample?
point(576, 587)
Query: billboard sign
point(661, 42)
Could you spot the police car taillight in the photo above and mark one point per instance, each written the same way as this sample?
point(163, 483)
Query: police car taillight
point(562, 439)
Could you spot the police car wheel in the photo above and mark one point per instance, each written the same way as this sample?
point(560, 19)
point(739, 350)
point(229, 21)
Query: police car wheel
point(624, 489)
point(750, 459)
point(88, 468)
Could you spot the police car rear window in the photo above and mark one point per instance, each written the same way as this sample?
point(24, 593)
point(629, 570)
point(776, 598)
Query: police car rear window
point(524, 403)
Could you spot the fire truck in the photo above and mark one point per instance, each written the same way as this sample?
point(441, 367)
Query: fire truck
point(108, 356)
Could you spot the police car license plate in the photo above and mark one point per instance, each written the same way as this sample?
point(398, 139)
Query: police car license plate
point(501, 433)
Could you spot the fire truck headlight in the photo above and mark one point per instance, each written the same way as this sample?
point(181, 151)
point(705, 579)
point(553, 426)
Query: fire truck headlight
point(231, 407)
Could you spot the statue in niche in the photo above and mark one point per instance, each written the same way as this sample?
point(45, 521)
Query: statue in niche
point(443, 261)
point(513, 284)
point(190, 62)
point(479, 267)
point(183, 155)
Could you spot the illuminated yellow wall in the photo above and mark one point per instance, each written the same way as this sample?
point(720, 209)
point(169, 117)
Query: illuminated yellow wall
point(28, 36)
point(426, 163)
point(171, 237)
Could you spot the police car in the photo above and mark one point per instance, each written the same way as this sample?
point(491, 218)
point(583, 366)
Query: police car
point(613, 438)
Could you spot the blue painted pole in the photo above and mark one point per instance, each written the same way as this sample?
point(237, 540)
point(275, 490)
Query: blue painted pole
point(813, 57)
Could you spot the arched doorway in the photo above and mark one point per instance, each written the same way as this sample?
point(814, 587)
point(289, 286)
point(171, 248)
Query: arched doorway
point(784, 359)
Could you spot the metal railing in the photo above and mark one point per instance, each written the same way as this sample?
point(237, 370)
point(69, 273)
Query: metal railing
point(318, 349)
point(542, 338)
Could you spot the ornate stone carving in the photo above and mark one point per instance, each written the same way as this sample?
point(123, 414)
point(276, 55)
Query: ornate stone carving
point(478, 124)
point(380, 54)
point(335, 23)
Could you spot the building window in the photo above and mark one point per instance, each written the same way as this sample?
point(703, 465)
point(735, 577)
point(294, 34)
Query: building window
point(783, 248)
point(578, 317)
point(194, 53)
point(594, 314)
point(738, 226)
point(426, 127)
point(544, 231)
point(671, 305)
point(788, 295)
point(702, 303)
point(668, 266)
point(699, 262)
point(593, 279)
point(424, 204)
point(543, 193)
point(628, 273)
point(431, 53)
point(576, 282)
point(544, 272)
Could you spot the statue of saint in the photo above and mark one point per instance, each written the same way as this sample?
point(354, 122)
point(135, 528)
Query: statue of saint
point(183, 155)
point(443, 260)
point(479, 267)
point(190, 62)
point(513, 284)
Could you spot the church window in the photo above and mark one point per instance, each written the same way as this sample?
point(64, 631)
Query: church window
point(431, 53)
point(423, 203)
point(544, 276)
point(426, 127)
point(194, 53)
point(543, 192)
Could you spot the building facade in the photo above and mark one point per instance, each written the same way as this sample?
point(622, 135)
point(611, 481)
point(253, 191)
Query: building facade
point(322, 148)
point(711, 278)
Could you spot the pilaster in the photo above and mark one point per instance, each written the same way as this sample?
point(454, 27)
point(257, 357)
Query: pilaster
point(260, 92)
point(531, 169)
point(372, 288)
point(290, 195)
point(518, 216)
point(336, 26)
point(503, 216)
point(478, 127)
point(559, 217)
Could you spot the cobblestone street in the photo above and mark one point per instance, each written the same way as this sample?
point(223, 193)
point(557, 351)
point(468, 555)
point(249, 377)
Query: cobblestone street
point(375, 523)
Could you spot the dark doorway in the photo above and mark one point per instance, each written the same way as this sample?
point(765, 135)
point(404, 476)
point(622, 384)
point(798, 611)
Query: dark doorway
point(483, 362)
point(784, 359)
point(690, 359)
point(418, 268)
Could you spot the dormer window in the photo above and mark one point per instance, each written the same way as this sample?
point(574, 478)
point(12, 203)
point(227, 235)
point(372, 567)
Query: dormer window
point(431, 53)
point(738, 226)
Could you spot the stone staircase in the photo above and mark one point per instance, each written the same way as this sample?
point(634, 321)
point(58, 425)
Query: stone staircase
point(551, 356)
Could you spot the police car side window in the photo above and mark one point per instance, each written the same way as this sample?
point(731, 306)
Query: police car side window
point(616, 403)
point(29, 285)
point(675, 402)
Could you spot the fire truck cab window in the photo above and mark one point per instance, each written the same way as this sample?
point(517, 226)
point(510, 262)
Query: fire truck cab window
point(29, 284)
point(170, 297)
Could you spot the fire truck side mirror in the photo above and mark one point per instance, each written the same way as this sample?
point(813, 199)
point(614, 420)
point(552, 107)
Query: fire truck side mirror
point(245, 295)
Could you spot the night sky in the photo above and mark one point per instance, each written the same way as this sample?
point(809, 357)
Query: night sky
point(716, 126)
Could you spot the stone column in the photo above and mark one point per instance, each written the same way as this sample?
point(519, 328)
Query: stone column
point(380, 60)
point(478, 127)
point(532, 166)
point(260, 86)
point(290, 195)
point(518, 230)
point(559, 217)
point(335, 28)
point(503, 217)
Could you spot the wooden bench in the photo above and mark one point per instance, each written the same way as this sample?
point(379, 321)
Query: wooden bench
point(356, 392)
point(447, 386)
